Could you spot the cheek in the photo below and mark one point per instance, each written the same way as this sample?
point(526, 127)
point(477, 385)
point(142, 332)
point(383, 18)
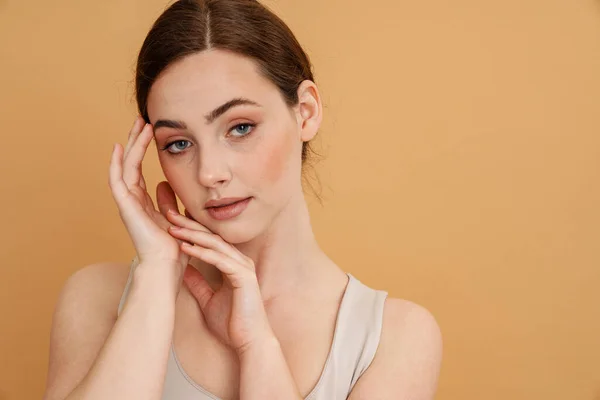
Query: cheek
point(179, 179)
point(276, 160)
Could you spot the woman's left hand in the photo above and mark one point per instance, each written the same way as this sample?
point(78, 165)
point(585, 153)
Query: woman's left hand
point(235, 312)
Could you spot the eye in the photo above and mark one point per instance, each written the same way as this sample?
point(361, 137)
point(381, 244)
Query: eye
point(242, 130)
point(179, 145)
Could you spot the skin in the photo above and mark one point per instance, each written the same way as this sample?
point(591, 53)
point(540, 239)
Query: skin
point(266, 164)
point(260, 297)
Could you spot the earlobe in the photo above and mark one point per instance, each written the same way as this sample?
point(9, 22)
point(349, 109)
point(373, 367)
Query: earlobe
point(310, 110)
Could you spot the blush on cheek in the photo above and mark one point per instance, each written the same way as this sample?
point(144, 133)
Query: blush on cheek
point(276, 159)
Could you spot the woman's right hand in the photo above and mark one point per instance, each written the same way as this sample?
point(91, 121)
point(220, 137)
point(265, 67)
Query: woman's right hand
point(147, 226)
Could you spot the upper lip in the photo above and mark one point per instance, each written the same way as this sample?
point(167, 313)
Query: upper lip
point(223, 202)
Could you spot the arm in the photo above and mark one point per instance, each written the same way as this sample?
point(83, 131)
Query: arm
point(407, 363)
point(265, 373)
point(406, 366)
point(94, 357)
point(235, 312)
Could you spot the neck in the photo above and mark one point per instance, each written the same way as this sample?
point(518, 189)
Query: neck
point(287, 254)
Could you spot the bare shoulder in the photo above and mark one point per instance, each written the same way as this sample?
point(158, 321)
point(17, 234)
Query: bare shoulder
point(407, 361)
point(85, 312)
point(405, 322)
point(99, 283)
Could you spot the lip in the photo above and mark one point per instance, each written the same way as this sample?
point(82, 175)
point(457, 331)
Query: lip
point(223, 202)
point(228, 211)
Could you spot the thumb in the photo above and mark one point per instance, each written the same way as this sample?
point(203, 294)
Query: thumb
point(165, 198)
point(197, 286)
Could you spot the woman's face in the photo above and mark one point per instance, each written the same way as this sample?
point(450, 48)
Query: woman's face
point(251, 149)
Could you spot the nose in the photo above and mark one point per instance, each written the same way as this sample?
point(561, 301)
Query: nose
point(213, 169)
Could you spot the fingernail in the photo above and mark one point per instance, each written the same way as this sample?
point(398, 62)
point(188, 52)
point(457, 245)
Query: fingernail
point(171, 211)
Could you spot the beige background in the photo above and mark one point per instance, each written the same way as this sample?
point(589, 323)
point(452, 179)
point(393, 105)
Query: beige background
point(462, 171)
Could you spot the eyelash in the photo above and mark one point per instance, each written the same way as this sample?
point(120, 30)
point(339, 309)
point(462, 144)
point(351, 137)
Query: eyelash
point(166, 147)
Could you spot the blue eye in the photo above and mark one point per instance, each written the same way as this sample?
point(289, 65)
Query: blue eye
point(179, 146)
point(174, 144)
point(243, 132)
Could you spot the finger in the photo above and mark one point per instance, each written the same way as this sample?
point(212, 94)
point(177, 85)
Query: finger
point(206, 238)
point(115, 176)
point(211, 241)
point(131, 159)
point(138, 124)
point(191, 223)
point(198, 286)
point(185, 222)
point(133, 162)
point(120, 192)
point(133, 134)
point(142, 180)
point(165, 198)
point(235, 273)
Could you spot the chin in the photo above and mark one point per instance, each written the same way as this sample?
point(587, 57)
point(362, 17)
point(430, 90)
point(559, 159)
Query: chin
point(240, 230)
point(232, 235)
point(234, 232)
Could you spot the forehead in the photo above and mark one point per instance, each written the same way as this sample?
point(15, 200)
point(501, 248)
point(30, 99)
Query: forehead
point(204, 80)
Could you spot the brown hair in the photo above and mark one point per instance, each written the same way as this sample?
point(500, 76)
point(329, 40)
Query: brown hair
point(245, 27)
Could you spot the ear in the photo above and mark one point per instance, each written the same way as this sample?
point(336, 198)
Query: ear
point(309, 111)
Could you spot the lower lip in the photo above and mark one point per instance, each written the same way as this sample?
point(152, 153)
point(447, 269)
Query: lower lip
point(229, 211)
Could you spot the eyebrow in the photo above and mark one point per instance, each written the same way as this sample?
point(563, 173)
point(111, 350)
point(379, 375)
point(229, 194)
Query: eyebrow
point(210, 117)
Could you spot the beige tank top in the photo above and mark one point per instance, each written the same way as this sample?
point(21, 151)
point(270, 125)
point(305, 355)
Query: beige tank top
point(355, 340)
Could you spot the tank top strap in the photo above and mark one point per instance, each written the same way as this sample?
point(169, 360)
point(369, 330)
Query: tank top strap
point(356, 339)
point(370, 307)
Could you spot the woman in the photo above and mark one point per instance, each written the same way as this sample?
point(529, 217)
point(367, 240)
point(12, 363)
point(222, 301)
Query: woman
point(234, 298)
